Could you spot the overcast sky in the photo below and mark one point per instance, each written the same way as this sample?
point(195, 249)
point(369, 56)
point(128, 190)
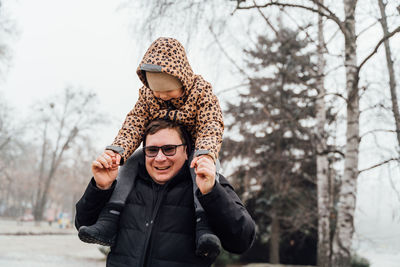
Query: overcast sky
point(80, 43)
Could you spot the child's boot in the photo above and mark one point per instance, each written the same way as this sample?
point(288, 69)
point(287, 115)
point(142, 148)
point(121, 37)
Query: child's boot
point(208, 244)
point(104, 231)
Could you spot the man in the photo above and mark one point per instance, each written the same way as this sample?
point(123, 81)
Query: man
point(157, 223)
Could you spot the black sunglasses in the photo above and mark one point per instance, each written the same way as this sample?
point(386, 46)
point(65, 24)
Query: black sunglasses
point(168, 150)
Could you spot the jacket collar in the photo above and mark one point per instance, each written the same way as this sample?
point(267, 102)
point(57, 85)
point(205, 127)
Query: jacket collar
point(184, 173)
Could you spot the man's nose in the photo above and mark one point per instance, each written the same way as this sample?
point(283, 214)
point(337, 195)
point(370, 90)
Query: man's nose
point(160, 155)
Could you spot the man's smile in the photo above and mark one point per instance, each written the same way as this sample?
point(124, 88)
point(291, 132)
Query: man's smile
point(162, 168)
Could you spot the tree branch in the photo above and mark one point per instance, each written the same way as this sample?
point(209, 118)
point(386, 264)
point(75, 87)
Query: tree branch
point(367, 28)
point(267, 20)
point(336, 94)
point(377, 47)
point(393, 185)
point(377, 130)
point(332, 37)
point(8, 139)
point(226, 54)
point(329, 15)
point(378, 164)
point(302, 29)
point(224, 90)
point(322, 6)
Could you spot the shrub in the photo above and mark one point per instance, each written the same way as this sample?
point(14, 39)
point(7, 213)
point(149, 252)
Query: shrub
point(358, 261)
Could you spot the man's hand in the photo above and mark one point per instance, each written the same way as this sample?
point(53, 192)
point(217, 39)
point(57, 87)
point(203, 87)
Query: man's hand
point(105, 169)
point(204, 168)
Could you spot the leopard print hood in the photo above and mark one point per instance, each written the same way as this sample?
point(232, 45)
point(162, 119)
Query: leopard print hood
point(198, 108)
point(167, 55)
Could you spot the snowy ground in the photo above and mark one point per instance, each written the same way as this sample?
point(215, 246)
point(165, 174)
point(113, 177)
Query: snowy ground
point(28, 245)
point(59, 247)
point(380, 244)
point(377, 218)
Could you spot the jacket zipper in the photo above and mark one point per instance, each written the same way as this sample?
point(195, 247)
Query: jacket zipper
point(157, 199)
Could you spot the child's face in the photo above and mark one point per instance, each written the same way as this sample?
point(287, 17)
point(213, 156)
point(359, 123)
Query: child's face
point(164, 86)
point(168, 95)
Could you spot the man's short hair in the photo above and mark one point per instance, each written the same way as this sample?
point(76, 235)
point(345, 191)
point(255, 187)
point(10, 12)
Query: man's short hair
point(159, 124)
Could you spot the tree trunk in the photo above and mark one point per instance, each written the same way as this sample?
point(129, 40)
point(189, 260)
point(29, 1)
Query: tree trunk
point(392, 79)
point(57, 155)
point(324, 244)
point(37, 208)
point(347, 195)
point(275, 239)
point(75, 199)
point(38, 212)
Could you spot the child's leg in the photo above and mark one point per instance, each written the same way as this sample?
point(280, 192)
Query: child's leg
point(126, 178)
point(207, 243)
point(103, 232)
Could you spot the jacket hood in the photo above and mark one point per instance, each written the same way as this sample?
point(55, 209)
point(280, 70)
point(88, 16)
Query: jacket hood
point(167, 55)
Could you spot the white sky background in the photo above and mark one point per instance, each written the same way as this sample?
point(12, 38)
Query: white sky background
point(80, 43)
point(90, 44)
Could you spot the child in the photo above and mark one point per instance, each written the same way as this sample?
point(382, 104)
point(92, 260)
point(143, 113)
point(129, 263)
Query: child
point(171, 91)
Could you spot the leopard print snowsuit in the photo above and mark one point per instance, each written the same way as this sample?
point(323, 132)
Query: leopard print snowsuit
point(198, 108)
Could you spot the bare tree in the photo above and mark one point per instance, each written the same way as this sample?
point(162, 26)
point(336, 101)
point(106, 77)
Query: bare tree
point(324, 197)
point(7, 31)
point(191, 17)
point(8, 131)
point(10, 147)
point(5, 125)
point(62, 123)
point(75, 175)
point(347, 198)
point(392, 78)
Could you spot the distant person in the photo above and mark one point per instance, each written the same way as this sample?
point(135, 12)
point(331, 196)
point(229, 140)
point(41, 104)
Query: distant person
point(157, 225)
point(171, 91)
point(50, 216)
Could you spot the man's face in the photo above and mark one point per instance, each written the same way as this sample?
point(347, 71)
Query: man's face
point(162, 168)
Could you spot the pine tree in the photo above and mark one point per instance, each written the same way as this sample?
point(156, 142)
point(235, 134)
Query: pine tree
point(275, 120)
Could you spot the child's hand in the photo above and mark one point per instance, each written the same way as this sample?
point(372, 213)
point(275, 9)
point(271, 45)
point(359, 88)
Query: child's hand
point(110, 159)
point(193, 164)
point(105, 169)
point(204, 168)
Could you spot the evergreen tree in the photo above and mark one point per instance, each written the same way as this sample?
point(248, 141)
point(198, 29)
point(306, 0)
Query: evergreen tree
point(275, 120)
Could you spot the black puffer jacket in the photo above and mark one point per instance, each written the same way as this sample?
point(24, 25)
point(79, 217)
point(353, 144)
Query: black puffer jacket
point(157, 224)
